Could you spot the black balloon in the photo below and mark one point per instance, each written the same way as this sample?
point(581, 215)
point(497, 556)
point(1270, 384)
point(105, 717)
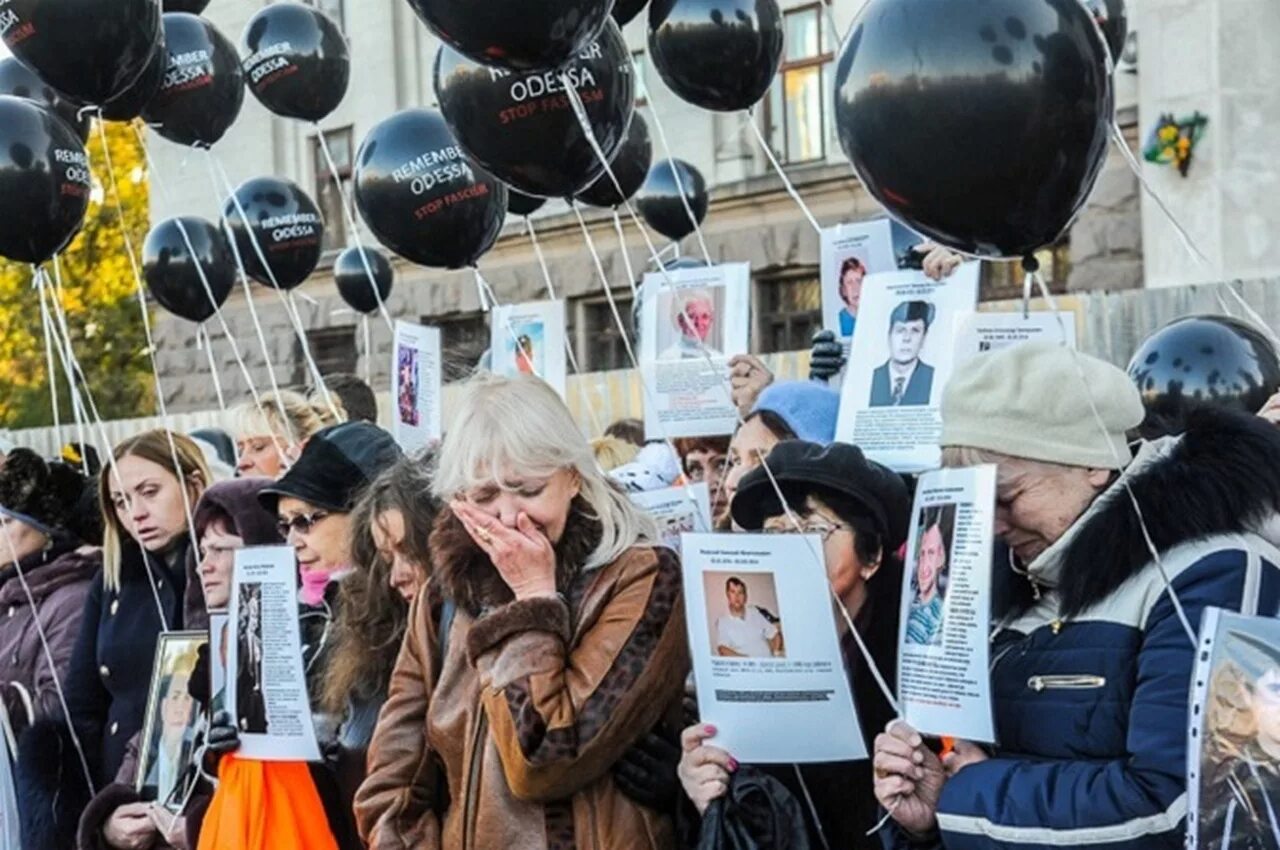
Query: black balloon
point(659, 200)
point(716, 54)
point(981, 124)
point(624, 11)
point(195, 7)
point(522, 127)
point(172, 269)
point(298, 62)
point(630, 165)
point(1113, 20)
point(20, 81)
point(89, 50)
point(280, 224)
point(203, 86)
point(1202, 360)
point(422, 196)
point(44, 182)
point(354, 283)
point(518, 203)
point(518, 34)
point(129, 104)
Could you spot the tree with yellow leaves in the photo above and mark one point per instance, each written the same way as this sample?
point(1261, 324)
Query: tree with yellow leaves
point(99, 295)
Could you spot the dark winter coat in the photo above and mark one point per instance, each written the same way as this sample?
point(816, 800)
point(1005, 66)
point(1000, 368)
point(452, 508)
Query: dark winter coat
point(1090, 683)
point(58, 581)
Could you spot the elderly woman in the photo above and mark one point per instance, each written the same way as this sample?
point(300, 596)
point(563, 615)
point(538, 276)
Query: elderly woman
point(550, 640)
point(1091, 667)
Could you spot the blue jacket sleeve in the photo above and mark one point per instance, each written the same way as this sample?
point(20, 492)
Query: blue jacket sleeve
point(1136, 802)
point(87, 700)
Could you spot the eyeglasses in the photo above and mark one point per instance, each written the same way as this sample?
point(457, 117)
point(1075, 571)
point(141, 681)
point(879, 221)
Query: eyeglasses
point(302, 523)
point(822, 529)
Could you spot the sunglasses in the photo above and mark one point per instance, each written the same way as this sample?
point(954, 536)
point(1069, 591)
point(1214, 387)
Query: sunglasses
point(302, 523)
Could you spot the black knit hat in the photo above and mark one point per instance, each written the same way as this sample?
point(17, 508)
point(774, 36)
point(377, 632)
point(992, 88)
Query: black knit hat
point(335, 467)
point(42, 494)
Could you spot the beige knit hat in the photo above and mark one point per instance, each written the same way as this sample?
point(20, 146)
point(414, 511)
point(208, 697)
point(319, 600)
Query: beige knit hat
point(1030, 401)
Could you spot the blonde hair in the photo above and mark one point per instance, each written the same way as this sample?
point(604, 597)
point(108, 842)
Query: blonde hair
point(522, 424)
point(288, 416)
point(612, 452)
point(154, 446)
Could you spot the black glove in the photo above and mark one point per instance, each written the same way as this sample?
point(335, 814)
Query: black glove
point(223, 738)
point(647, 772)
point(827, 357)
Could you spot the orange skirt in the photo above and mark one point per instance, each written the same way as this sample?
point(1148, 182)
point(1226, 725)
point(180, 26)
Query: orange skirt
point(265, 806)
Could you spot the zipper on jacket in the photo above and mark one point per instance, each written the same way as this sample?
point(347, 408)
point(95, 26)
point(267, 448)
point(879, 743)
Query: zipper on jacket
point(469, 813)
point(1065, 683)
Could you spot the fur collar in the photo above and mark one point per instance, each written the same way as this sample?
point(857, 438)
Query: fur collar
point(1222, 476)
point(465, 575)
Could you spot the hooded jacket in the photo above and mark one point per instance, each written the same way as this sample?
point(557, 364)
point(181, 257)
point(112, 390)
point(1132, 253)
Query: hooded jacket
point(1090, 683)
point(520, 720)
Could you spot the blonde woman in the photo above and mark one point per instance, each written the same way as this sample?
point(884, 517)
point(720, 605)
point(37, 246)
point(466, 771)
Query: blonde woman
point(270, 437)
point(563, 646)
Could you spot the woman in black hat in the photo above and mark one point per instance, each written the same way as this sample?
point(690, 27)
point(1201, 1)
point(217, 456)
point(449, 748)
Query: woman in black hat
point(861, 511)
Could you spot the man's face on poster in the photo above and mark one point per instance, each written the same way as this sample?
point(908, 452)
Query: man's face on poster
point(736, 594)
point(905, 341)
point(695, 322)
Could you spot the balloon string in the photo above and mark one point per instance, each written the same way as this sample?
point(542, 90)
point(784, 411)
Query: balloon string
point(1119, 460)
point(77, 403)
point(777, 166)
point(49, 369)
point(292, 305)
point(48, 655)
point(368, 350)
point(146, 328)
point(626, 258)
point(568, 344)
point(1117, 136)
point(345, 202)
point(104, 442)
point(489, 297)
point(261, 255)
point(1252, 313)
point(157, 180)
point(675, 173)
point(203, 340)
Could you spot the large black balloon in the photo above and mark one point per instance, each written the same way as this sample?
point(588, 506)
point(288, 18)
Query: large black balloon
point(659, 198)
point(286, 226)
point(518, 203)
point(1113, 19)
point(630, 165)
point(44, 182)
point(129, 104)
point(981, 124)
point(195, 7)
point(20, 81)
point(522, 127)
point(298, 62)
point(354, 284)
point(422, 196)
point(172, 270)
point(522, 35)
point(1202, 360)
point(716, 54)
point(624, 11)
point(89, 50)
point(203, 86)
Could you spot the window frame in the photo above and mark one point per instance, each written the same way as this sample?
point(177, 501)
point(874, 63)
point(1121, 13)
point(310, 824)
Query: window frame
point(763, 320)
point(582, 338)
point(780, 141)
point(326, 363)
point(324, 183)
point(449, 362)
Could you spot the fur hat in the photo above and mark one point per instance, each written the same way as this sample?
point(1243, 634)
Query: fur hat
point(42, 494)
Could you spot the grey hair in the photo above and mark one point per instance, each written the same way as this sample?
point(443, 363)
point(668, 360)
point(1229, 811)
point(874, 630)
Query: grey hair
point(520, 423)
point(684, 297)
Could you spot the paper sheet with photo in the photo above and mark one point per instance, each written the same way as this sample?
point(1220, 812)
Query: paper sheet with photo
point(266, 684)
point(983, 333)
point(692, 322)
point(1233, 746)
point(944, 685)
point(677, 511)
point(902, 357)
point(171, 725)
point(850, 252)
point(529, 339)
point(766, 655)
point(416, 386)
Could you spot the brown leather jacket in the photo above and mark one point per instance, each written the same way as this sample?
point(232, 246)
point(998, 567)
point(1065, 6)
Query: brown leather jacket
point(531, 706)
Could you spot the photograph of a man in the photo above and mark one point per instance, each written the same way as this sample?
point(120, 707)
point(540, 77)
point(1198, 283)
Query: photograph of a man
point(905, 380)
point(251, 701)
point(747, 631)
point(693, 324)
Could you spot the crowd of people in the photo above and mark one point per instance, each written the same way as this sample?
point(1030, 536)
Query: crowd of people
point(494, 636)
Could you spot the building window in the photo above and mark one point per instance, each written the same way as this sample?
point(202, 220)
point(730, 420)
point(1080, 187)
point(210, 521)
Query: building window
point(327, 194)
point(798, 126)
point(332, 8)
point(1002, 281)
point(594, 331)
point(333, 349)
point(464, 338)
point(788, 310)
point(639, 67)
